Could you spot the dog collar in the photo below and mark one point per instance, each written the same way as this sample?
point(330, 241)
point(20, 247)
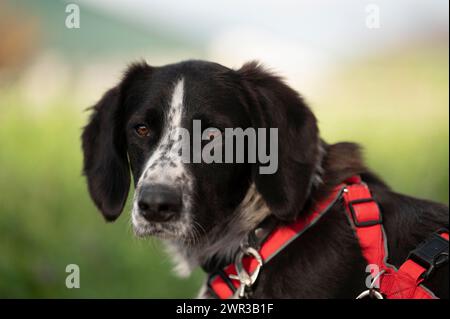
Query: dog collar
point(225, 282)
point(236, 280)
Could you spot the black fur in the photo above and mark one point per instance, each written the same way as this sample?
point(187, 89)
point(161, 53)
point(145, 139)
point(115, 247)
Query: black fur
point(326, 261)
point(105, 157)
point(274, 104)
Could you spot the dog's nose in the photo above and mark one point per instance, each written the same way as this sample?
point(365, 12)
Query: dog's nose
point(159, 203)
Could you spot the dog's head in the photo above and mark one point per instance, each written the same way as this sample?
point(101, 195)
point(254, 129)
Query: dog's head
point(136, 125)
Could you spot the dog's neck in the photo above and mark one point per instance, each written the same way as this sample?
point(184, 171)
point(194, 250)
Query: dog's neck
point(224, 241)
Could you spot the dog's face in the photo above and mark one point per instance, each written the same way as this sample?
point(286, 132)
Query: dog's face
point(138, 125)
point(170, 193)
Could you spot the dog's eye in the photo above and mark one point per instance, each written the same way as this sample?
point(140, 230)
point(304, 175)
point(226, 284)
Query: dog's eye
point(142, 130)
point(212, 133)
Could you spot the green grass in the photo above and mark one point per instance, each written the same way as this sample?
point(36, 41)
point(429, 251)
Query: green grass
point(396, 107)
point(47, 220)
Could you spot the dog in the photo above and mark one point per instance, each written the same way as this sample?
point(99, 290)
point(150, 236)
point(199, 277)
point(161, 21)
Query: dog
point(204, 211)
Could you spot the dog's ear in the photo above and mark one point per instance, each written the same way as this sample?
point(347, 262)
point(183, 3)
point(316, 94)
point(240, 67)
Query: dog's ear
point(273, 104)
point(105, 157)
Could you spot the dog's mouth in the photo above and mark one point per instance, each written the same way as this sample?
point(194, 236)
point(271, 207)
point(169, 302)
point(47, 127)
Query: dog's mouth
point(143, 228)
point(160, 230)
point(178, 230)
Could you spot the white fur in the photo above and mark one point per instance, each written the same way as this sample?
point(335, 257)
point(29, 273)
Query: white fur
point(165, 166)
point(162, 173)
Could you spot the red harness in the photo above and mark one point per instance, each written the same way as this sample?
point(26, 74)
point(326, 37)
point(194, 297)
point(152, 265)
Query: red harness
point(366, 220)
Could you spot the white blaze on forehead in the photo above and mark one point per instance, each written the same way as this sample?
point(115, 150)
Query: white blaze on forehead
point(165, 165)
point(176, 107)
point(176, 104)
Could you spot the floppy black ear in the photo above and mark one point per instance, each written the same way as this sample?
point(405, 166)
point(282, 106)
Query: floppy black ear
point(105, 158)
point(273, 104)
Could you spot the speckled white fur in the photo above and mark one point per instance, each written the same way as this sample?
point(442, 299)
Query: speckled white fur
point(165, 166)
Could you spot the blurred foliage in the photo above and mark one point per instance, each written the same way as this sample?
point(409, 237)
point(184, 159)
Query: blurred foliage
point(47, 220)
point(395, 106)
point(19, 34)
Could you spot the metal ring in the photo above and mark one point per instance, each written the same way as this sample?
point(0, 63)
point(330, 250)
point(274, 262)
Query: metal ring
point(244, 276)
point(246, 280)
point(370, 293)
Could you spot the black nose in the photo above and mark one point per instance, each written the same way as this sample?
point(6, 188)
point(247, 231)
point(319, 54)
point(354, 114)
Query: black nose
point(159, 203)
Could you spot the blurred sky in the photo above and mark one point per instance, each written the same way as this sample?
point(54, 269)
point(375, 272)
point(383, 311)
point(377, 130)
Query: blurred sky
point(309, 36)
point(335, 26)
point(305, 41)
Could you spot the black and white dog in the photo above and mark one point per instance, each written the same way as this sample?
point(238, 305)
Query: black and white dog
point(204, 211)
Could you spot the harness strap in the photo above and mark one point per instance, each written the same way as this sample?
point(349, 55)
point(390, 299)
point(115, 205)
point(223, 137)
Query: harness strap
point(222, 286)
point(366, 219)
point(365, 216)
point(404, 283)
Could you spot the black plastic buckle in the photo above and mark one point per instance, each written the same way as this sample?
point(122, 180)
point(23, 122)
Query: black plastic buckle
point(355, 219)
point(432, 253)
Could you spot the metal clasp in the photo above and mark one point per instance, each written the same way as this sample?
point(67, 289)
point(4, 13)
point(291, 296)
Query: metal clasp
point(246, 280)
point(372, 292)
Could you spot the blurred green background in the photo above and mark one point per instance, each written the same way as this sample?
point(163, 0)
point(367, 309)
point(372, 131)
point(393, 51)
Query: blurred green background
point(386, 89)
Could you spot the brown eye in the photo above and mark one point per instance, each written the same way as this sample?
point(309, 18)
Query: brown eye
point(142, 130)
point(212, 133)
